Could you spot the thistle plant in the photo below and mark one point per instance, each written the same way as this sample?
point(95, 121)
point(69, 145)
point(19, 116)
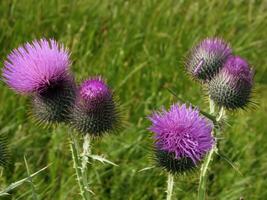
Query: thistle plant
point(182, 139)
point(41, 70)
point(95, 114)
point(229, 82)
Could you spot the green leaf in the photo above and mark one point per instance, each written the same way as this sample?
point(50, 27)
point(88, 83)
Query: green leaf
point(102, 159)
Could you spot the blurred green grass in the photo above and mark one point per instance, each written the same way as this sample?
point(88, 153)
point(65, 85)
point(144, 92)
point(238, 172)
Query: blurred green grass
point(138, 46)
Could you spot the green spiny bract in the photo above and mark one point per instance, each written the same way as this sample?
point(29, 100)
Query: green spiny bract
point(53, 104)
point(168, 162)
point(95, 122)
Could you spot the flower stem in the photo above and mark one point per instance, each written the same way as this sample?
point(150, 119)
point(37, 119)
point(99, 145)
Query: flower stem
point(86, 153)
point(170, 186)
point(209, 157)
point(203, 174)
point(74, 145)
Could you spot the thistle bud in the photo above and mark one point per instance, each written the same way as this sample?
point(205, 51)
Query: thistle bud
point(231, 88)
point(95, 111)
point(207, 58)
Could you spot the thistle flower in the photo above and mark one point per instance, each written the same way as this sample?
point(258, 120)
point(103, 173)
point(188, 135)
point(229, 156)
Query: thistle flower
point(207, 58)
point(41, 69)
point(182, 138)
point(96, 111)
point(232, 87)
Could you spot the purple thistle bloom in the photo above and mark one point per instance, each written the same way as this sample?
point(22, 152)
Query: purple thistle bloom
point(207, 58)
point(35, 66)
point(232, 87)
point(95, 111)
point(183, 133)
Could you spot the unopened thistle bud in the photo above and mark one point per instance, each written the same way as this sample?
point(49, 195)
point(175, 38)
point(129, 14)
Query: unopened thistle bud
point(41, 69)
point(207, 58)
point(95, 111)
point(182, 138)
point(231, 88)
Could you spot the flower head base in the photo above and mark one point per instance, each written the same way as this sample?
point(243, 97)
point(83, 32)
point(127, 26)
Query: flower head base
point(232, 87)
point(182, 137)
point(33, 67)
point(54, 104)
point(206, 59)
point(96, 111)
point(168, 162)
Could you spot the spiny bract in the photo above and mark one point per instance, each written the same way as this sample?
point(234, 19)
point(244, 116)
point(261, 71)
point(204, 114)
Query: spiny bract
point(54, 104)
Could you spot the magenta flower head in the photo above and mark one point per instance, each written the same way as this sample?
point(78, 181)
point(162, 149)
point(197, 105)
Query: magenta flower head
point(232, 87)
point(182, 138)
point(41, 69)
point(96, 110)
point(207, 58)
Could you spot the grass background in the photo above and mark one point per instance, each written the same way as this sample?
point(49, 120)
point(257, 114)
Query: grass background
point(138, 46)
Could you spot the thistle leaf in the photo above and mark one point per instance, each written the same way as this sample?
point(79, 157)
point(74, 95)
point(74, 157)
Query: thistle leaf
point(102, 159)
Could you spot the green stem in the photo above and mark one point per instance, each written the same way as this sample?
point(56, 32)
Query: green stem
point(208, 159)
point(74, 145)
point(203, 174)
point(86, 153)
point(170, 186)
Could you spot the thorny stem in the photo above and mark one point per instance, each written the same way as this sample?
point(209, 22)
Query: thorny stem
point(209, 157)
point(86, 153)
point(170, 186)
point(76, 164)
